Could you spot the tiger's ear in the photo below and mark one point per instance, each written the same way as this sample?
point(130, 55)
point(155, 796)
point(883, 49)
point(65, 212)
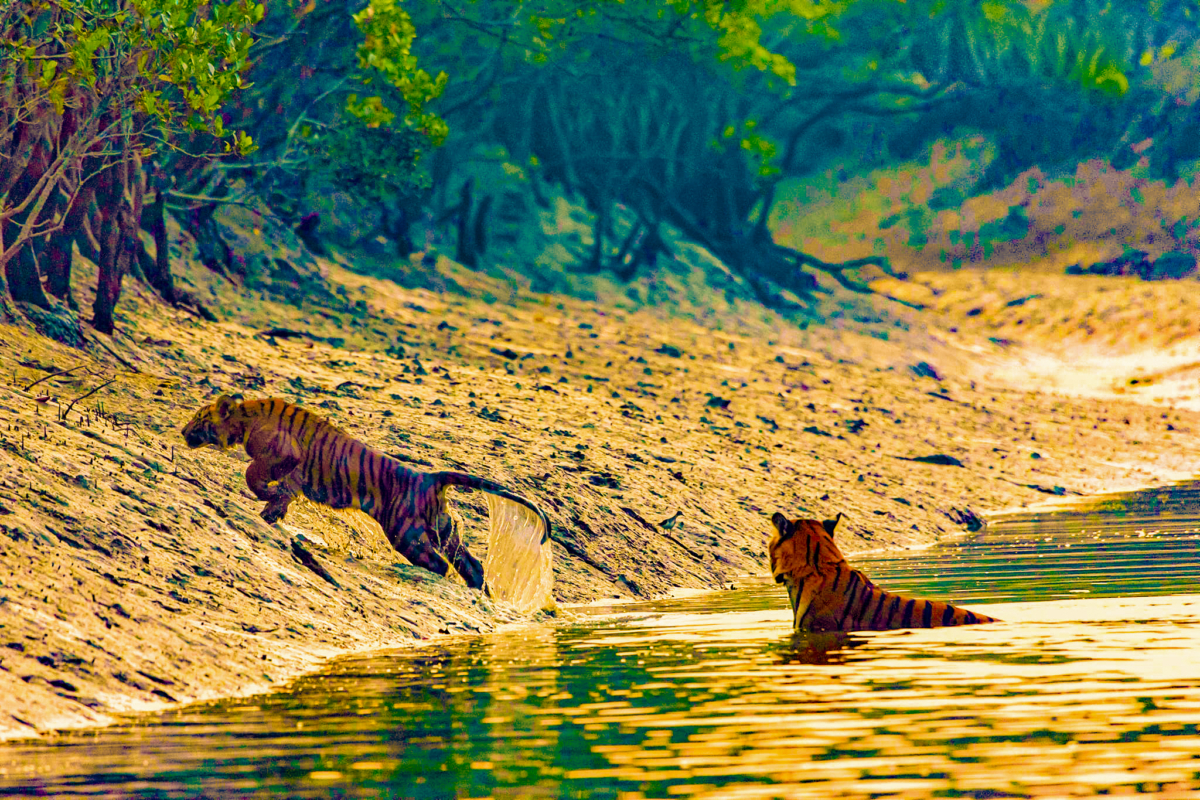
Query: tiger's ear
point(225, 405)
point(830, 524)
point(782, 525)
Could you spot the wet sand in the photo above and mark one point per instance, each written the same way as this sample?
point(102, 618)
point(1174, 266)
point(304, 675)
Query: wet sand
point(136, 573)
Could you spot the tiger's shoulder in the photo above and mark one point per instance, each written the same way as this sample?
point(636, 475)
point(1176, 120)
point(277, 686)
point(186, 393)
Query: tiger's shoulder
point(227, 420)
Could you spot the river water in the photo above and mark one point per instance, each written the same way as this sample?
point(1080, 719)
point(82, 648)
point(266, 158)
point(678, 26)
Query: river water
point(1091, 687)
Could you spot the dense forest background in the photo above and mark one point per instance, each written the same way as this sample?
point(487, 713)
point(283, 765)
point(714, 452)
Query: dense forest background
point(968, 132)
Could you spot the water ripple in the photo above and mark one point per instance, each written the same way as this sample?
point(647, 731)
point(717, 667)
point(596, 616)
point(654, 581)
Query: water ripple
point(714, 696)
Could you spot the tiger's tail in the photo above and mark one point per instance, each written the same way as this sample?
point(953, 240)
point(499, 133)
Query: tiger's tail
point(518, 566)
point(491, 487)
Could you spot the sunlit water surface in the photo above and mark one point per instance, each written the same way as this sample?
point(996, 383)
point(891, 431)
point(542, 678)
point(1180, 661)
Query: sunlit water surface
point(1091, 687)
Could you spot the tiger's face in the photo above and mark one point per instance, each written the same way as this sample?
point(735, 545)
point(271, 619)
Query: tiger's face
point(210, 425)
point(802, 551)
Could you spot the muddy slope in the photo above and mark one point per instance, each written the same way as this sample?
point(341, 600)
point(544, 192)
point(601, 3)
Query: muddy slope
point(659, 439)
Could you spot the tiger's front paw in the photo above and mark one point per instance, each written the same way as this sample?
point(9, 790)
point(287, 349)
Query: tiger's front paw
point(274, 512)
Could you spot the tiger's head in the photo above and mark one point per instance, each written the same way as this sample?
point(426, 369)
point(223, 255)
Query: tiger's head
point(802, 551)
point(211, 425)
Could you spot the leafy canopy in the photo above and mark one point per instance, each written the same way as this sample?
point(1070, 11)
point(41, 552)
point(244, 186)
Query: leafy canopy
point(385, 55)
point(171, 62)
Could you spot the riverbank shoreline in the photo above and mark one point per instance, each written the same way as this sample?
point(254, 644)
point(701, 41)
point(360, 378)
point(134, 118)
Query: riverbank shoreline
point(137, 574)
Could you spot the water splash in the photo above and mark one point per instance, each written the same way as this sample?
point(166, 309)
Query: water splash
point(519, 566)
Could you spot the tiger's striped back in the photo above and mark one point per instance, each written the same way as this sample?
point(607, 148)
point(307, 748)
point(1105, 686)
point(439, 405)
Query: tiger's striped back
point(334, 468)
point(295, 451)
point(827, 594)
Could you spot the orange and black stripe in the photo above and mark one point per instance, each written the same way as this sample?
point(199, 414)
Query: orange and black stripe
point(827, 594)
point(295, 451)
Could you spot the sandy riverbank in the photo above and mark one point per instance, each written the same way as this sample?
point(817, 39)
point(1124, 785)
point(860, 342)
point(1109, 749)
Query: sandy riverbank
point(136, 573)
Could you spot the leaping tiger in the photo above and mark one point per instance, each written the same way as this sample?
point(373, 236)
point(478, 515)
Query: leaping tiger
point(827, 594)
point(294, 451)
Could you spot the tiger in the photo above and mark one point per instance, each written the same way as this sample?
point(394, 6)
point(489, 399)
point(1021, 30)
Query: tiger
point(827, 594)
point(295, 451)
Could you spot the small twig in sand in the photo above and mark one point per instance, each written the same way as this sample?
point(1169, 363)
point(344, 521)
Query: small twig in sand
point(187, 479)
point(302, 555)
point(89, 394)
point(113, 353)
point(283, 333)
point(53, 375)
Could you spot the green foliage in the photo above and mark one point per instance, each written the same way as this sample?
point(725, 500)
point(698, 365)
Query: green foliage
point(198, 49)
point(760, 150)
point(385, 55)
point(723, 40)
point(1013, 227)
point(108, 84)
point(694, 111)
point(360, 118)
point(375, 163)
point(740, 29)
point(1093, 46)
point(170, 62)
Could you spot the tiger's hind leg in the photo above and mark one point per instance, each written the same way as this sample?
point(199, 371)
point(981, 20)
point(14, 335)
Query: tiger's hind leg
point(410, 538)
point(448, 541)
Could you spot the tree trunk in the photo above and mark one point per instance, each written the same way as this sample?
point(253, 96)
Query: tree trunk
point(158, 272)
point(56, 261)
point(108, 280)
point(21, 270)
point(215, 252)
point(24, 281)
point(118, 195)
point(465, 253)
point(13, 168)
point(306, 229)
point(479, 226)
point(8, 312)
point(60, 248)
point(89, 248)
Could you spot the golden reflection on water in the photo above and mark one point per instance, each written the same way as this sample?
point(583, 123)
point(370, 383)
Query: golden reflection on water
point(1066, 699)
point(1077, 698)
point(714, 697)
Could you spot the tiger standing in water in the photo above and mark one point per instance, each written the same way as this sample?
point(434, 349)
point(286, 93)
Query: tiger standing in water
point(827, 594)
point(294, 451)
